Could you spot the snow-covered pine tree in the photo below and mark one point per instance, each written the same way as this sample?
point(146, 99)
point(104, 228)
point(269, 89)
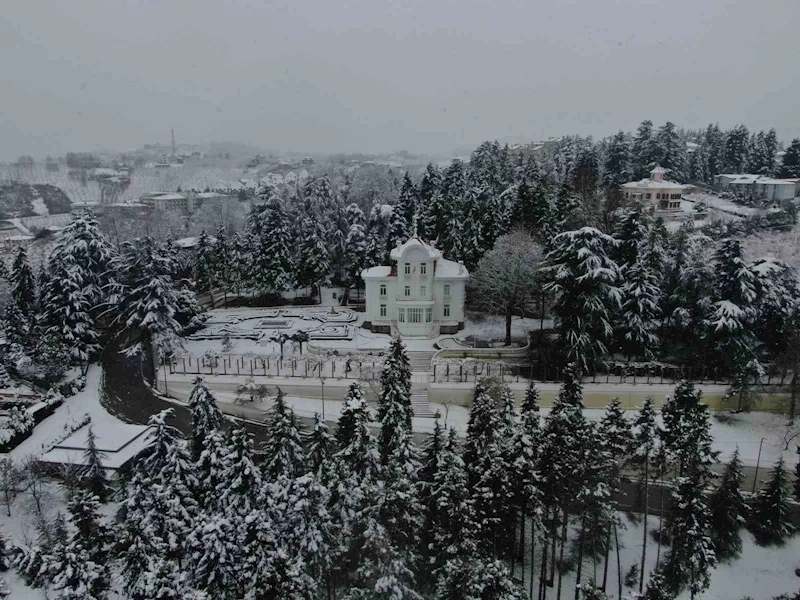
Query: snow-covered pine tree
point(394, 402)
point(431, 451)
point(631, 232)
point(205, 267)
point(357, 449)
point(769, 518)
point(645, 151)
point(240, 262)
point(240, 481)
point(400, 510)
point(617, 165)
point(211, 467)
point(686, 433)
point(206, 416)
point(580, 271)
point(321, 445)
point(691, 557)
point(354, 258)
point(272, 265)
point(640, 316)
point(644, 442)
point(791, 160)
point(377, 235)
point(306, 524)
point(312, 259)
point(672, 152)
point(5, 380)
point(728, 511)
point(284, 456)
point(23, 287)
point(80, 570)
point(453, 524)
point(223, 264)
point(797, 477)
point(215, 556)
point(562, 467)
point(93, 473)
point(735, 149)
point(148, 299)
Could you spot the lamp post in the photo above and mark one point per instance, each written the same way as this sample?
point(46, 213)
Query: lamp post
point(322, 382)
point(758, 461)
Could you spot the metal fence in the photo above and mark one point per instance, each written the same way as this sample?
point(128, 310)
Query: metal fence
point(249, 366)
point(618, 373)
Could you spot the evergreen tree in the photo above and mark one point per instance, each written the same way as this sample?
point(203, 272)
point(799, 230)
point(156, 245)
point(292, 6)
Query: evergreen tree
point(735, 149)
point(631, 232)
point(686, 432)
point(645, 151)
point(691, 557)
point(769, 520)
point(205, 268)
point(354, 255)
point(23, 287)
point(791, 160)
point(728, 511)
point(431, 453)
point(357, 451)
point(93, 474)
point(148, 299)
point(797, 478)
point(394, 402)
point(644, 445)
point(377, 235)
point(312, 259)
point(406, 206)
point(212, 465)
point(271, 254)
point(579, 269)
point(81, 571)
point(641, 311)
point(222, 251)
point(453, 524)
point(206, 417)
point(430, 203)
point(672, 152)
point(215, 556)
point(617, 166)
point(320, 447)
point(284, 456)
point(240, 482)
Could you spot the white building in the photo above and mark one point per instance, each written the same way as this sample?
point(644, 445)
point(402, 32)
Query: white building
point(421, 295)
point(663, 195)
point(757, 186)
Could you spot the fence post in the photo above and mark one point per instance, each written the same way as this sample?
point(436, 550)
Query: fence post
point(251, 367)
point(224, 368)
point(447, 372)
point(461, 373)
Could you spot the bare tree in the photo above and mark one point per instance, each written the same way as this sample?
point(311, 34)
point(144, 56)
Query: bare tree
point(11, 479)
point(505, 279)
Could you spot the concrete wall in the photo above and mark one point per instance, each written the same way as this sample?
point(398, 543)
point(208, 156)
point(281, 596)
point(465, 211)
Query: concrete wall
point(599, 395)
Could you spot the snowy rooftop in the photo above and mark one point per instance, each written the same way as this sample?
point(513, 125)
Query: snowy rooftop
point(747, 179)
point(414, 242)
point(119, 442)
point(448, 269)
point(379, 271)
point(190, 242)
point(170, 197)
point(205, 195)
point(652, 184)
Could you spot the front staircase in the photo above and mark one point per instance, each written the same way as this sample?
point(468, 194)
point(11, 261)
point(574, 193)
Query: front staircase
point(420, 362)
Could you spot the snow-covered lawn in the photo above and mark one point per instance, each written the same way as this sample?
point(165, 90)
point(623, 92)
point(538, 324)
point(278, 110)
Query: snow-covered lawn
point(721, 204)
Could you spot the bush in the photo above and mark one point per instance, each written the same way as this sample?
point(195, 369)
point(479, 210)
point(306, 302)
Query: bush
point(632, 576)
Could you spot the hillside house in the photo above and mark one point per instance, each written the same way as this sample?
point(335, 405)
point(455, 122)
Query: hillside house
point(663, 195)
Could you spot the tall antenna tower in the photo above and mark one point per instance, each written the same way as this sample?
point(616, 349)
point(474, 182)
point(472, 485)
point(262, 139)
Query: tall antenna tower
point(172, 131)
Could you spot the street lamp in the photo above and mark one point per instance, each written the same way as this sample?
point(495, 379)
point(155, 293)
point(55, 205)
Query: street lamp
point(322, 382)
point(758, 461)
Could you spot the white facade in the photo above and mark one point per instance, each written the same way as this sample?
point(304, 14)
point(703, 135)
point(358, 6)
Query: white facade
point(420, 295)
point(656, 192)
point(757, 186)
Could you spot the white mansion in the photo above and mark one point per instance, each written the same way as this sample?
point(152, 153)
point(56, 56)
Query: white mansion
point(656, 192)
point(421, 295)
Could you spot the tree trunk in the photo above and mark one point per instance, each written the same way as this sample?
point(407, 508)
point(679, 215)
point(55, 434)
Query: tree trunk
point(522, 543)
point(543, 573)
point(580, 559)
point(533, 558)
point(644, 535)
point(619, 562)
point(508, 327)
point(793, 403)
point(660, 523)
point(608, 553)
point(554, 538)
point(561, 553)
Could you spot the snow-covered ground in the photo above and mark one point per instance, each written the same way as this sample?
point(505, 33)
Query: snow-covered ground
point(728, 206)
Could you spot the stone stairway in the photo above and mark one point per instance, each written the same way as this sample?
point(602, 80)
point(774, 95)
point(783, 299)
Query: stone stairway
point(420, 362)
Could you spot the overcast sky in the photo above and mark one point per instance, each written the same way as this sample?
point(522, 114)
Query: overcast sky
point(428, 76)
